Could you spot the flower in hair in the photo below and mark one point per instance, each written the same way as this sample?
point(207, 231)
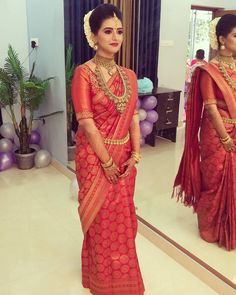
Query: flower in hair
point(87, 29)
point(212, 33)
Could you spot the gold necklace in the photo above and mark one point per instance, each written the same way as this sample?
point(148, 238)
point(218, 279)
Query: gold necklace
point(107, 63)
point(226, 76)
point(120, 101)
point(229, 60)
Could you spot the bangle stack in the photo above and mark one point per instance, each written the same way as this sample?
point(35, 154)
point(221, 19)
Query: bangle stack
point(225, 140)
point(136, 156)
point(108, 165)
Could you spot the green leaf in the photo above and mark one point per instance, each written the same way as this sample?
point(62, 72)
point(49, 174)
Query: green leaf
point(13, 66)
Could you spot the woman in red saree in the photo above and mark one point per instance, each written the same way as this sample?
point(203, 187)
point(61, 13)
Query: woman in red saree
point(108, 147)
point(206, 178)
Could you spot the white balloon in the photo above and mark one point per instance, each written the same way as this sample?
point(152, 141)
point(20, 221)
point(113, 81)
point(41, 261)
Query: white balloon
point(7, 130)
point(42, 159)
point(5, 145)
point(74, 188)
point(142, 114)
point(36, 124)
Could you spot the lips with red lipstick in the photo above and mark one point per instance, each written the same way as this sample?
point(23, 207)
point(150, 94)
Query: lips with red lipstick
point(114, 44)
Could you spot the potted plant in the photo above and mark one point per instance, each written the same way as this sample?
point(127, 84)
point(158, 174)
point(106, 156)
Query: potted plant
point(19, 87)
point(69, 70)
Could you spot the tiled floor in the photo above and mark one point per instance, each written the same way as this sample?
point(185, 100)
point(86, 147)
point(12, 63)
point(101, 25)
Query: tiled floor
point(41, 240)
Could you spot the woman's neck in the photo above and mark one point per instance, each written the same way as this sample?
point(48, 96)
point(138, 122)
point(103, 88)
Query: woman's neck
point(105, 54)
point(225, 52)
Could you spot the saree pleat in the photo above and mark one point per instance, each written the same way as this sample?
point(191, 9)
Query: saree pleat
point(109, 259)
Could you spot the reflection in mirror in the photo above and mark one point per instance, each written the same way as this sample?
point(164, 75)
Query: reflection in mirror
point(164, 145)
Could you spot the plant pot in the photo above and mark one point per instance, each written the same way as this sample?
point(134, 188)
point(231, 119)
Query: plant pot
point(71, 152)
point(25, 161)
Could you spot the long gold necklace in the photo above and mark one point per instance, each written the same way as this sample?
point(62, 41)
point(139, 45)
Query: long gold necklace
point(224, 72)
point(120, 101)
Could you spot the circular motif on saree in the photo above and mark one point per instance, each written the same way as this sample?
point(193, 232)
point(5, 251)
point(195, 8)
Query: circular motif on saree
point(123, 249)
point(114, 236)
point(132, 262)
point(115, 255)
point(129, 233)
point(124, 259)
point(99, 259)
point(116, 274)
point(91, 159)
point(116, 264)
point(114, 246)
point(113, 226)
point(120, 218)
point(105, 234)
point(130, 243)
point(112, 216)
point(98, 249)
point(106, 243)
point(124, 268)
point(121, 228)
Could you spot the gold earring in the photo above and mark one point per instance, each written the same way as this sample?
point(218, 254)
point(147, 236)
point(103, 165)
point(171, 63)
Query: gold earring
point(222, 47)
point(95, 47)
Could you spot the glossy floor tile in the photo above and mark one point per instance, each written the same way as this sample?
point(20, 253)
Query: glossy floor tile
point(41, 241)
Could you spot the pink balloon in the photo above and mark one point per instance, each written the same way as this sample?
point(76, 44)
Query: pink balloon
point(149, 102)
point(35, 137)
point(6, 160)
point(145, 128)
point(152, 116)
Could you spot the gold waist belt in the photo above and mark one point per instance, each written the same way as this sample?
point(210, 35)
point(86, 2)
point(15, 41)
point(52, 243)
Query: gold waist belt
point(229, 120)
point(117, 141)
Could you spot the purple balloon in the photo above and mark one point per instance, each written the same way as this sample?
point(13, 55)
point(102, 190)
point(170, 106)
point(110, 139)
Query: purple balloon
point(149, 102)
point(6, 160)
point(142, 141)
point(138, 104)
point(152, 116)
point(35, 137)
point(145, 128)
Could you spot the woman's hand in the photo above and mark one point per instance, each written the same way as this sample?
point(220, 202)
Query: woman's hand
point(130, 163)
point(112, 173)
point(229, 146)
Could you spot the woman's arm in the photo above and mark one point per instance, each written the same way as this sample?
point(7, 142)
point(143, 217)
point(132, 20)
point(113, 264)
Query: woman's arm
point(135, 134)
point(217, 122)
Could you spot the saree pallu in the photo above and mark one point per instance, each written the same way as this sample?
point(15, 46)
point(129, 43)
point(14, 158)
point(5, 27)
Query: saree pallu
point(206, 178)
point(109, 259)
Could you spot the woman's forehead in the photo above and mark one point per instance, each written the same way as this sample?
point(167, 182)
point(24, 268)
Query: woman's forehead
point(112, 22)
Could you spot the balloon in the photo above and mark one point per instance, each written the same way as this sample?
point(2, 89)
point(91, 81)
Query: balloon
point(5, 145)
point(7, 130)
point(35, 137)
point(138, 104)
point(16, 140)
point(152, 116)
point(142, 115)
point(36, 147)
point(42, 159)
point(142, 141)
point(146, 128)
point(6, 160)
point(149, 102)
point(74, 188)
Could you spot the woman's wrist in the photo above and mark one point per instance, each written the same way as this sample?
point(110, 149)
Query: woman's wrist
point(136, 156)
point(226, 139)
point(107, 164)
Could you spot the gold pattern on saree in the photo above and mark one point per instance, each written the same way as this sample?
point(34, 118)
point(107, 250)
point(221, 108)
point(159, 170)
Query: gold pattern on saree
point(117, 141)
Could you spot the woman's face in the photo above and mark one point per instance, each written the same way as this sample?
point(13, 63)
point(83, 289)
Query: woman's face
point(110, 36)
point(230, 41)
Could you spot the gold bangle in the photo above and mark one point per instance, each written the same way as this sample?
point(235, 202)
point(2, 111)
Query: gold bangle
point(225, 140)
point(110, 167)
point(136, 156)
point(108, 164)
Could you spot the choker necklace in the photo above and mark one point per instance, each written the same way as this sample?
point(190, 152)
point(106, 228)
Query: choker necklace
point(120, 101)
point(229, 60)
point(107, 63)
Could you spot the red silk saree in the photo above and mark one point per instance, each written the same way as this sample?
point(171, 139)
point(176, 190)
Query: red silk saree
point(107, 213)
point(206, 178)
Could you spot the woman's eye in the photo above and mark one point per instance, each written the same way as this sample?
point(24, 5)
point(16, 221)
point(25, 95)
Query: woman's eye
point(108, 31)
point(120, 32)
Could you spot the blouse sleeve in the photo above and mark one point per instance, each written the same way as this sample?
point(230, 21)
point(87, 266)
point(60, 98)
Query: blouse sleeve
point(81, 94)
point(207, 86)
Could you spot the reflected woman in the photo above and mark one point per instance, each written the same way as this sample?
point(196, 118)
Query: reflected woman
point(108, 148)
point(206, 178)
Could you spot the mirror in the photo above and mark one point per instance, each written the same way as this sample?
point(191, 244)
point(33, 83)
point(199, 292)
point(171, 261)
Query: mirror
point(164, 146)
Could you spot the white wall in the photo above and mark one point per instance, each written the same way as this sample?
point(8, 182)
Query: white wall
point(46, 22)
point(174, 29)
point(13, 30)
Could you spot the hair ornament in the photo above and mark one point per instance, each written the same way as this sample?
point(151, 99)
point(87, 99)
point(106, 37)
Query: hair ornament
point(87, 29)
point(212, 33)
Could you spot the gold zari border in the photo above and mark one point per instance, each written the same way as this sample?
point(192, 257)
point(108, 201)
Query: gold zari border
point(117, 141)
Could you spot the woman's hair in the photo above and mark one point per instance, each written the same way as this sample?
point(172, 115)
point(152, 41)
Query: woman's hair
point(225, 25)
point(101, 13)
point(200, 54)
